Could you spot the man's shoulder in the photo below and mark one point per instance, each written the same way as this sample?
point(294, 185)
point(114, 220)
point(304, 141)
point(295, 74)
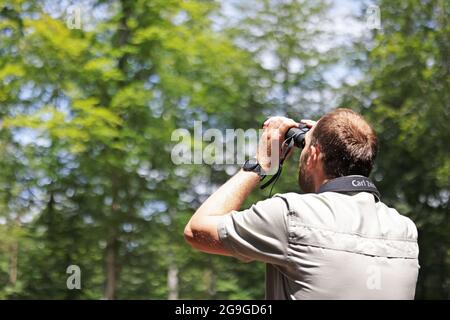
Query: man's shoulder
point(319, 201)
point(311, 209)
point(324, 196)
point(294, 196)
point(403, 227)
point(355, 214)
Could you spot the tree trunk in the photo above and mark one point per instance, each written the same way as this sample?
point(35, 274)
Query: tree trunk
point(111, 268)
point(210, 283)
point(172, 281)
point(14, 252)
point(13, 256)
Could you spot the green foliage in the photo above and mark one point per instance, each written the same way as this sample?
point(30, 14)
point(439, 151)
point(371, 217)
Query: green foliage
point(408, 85)
point(97, 180)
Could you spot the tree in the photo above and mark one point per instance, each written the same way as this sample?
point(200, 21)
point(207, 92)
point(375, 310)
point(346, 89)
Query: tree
point(405, 95)
point(102, 104)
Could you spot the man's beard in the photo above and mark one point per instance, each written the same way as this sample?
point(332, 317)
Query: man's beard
point(305, 181)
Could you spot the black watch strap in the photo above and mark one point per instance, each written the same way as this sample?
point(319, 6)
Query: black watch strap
point(252, 165)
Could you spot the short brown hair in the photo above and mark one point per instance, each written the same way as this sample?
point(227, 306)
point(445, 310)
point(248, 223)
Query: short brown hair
point(348, 143)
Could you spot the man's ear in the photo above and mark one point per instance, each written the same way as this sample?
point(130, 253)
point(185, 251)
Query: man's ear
point(315, 156)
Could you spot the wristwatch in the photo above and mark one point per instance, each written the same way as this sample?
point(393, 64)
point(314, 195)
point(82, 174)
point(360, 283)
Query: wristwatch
point(252, 165)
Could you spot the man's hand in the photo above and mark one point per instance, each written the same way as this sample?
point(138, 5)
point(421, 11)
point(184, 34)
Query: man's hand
point(269, 148)
point(309, 123)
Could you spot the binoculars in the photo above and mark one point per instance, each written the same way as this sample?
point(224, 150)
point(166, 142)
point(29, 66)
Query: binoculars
point(294, 137)
point(298, 135)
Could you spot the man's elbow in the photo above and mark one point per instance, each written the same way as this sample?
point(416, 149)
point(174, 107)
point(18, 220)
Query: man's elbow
point(199, 237)
point(193, 233)
point(188, 234)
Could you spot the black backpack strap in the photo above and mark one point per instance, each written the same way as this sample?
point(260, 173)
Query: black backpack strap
point(354, 183)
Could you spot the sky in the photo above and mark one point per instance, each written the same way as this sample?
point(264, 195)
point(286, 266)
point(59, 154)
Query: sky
point(341, 22)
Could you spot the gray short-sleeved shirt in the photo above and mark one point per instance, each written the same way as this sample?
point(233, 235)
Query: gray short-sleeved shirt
point(326, 246)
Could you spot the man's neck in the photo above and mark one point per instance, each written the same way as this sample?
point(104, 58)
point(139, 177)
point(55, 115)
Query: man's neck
point(319, 181)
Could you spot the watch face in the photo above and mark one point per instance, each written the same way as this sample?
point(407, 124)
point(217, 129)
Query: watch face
point(250, 164)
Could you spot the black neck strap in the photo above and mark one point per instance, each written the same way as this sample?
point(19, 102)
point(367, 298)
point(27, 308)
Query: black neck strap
point(349, 184)
point(287, 145)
